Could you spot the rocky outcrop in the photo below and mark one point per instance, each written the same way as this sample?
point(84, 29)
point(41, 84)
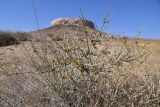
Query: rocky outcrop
point(73, 21)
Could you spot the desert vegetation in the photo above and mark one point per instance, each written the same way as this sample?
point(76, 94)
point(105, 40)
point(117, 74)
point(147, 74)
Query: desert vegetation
point(88, 69)
point(11, 38)
point(95, 71)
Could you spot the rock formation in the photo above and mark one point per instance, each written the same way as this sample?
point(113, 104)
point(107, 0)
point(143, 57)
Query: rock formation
point(72, 21)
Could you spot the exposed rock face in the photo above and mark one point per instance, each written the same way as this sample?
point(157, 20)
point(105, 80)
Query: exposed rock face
point(73, 21)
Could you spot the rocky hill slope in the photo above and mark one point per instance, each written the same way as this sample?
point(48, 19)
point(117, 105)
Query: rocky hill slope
point(24, 54)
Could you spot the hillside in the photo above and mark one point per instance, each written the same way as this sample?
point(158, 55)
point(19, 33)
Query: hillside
point(68, 32)
point(21, 86)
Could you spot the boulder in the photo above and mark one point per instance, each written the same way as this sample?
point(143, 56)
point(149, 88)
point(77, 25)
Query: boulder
point(73, 21)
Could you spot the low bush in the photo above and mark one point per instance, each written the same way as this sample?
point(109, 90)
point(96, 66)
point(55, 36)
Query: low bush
point(96, 73)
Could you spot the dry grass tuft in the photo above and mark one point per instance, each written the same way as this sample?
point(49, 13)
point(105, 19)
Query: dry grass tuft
point(11, 38)
point(97, 73)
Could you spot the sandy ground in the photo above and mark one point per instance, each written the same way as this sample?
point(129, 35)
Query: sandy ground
point(9, 53)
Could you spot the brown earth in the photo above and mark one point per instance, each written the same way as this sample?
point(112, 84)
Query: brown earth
point(20, 54)
point(70, 32)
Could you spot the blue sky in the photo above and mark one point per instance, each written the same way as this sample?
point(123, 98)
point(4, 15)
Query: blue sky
point(129, 16)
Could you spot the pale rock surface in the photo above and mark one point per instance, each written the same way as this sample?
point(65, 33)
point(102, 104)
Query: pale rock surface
point(73, 21)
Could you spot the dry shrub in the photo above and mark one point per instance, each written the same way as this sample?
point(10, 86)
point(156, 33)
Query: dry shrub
point(98, 73)
point(57, 38)
point(11, 38)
